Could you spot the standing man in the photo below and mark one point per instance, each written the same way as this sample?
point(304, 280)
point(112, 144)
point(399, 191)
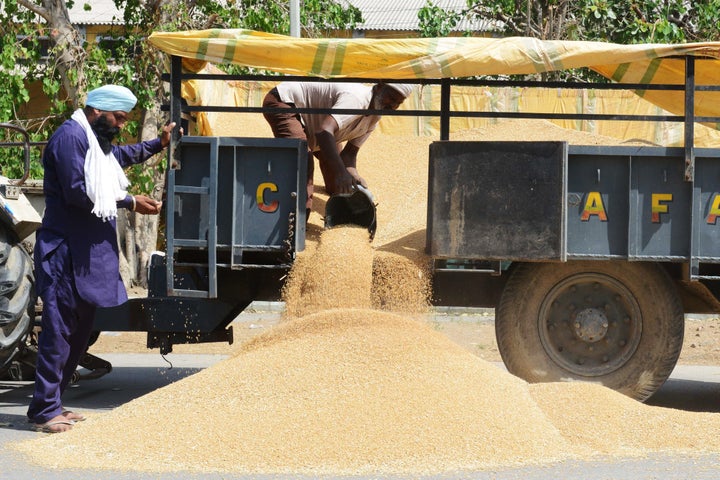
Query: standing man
point(76, 250)
point(325, 133)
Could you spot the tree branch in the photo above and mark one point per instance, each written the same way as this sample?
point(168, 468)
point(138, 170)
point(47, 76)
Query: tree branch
point(37, 9)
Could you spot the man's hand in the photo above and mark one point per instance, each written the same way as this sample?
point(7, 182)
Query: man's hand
point(166, 134)
point(358, 179)
point(346, 183)
point(147, 205)
point(343, 184)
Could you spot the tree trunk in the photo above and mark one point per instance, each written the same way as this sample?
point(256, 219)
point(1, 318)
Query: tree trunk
point(67, 42)
point(140, 237)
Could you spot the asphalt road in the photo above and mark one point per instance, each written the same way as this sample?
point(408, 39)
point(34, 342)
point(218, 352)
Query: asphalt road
point(134, 375)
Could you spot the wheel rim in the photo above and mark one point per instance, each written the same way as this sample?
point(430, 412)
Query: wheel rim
point(590, 324)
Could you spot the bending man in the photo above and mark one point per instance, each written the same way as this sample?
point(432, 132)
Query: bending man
point(326, 133)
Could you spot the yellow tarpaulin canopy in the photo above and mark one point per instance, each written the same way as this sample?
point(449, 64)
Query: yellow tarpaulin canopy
point(419, 57)
point(452, 57)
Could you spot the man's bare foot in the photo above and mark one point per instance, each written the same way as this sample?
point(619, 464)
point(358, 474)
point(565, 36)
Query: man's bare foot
point(55, 425)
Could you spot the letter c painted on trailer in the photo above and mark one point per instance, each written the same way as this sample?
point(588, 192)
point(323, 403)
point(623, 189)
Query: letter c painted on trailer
point(260, 197)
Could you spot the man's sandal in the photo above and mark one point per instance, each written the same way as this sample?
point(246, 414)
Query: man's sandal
point(58, 426)
point(72, 416)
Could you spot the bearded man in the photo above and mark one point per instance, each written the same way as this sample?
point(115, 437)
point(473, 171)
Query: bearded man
point(334, 138)
point(76, 250)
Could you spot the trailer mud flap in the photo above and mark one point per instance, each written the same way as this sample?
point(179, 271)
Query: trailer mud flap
point(497, 200)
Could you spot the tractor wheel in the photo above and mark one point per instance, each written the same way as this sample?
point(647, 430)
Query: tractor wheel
point(620, 324)
point(17, 299)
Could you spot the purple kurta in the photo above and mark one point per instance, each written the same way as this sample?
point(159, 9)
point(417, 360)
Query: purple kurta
point(68, 216)
point(76, 263)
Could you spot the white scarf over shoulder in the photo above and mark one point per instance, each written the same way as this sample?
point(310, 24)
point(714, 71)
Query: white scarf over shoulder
point(105, 181)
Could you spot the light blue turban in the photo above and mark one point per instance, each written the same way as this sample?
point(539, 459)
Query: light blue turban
point(111, 98)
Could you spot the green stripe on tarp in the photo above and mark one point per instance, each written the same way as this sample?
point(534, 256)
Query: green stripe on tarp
point(530, 51)
point(649, 74)
point(651, 71)
point(230, 47)
point(203, 43)
point(320, 54)
point(417, 63)
point(552, 51)
point(620, 72)
point(339, 58)
point(444, 66)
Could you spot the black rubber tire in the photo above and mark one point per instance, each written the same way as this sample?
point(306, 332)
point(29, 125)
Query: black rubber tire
point(617, 323)
point(17, 299)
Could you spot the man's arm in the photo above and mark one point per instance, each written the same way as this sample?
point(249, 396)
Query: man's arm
point(128, 155)
point(142, 203)
point(349, 158)
point(325, 138)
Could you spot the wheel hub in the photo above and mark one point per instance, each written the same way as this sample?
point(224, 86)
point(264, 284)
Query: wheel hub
point(591, 325)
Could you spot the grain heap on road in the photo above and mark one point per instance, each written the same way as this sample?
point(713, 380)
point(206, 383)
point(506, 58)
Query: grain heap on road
point(610, 423)
point(342, 387)
point(348, 389)
point(344, 391)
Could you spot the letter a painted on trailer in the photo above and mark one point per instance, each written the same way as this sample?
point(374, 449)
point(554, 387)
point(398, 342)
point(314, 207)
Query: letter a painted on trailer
point(594, 206)
point(714, 210)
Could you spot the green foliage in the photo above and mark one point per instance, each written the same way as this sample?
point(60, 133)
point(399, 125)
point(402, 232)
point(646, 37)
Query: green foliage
point(437, 22)
point(619, 21)
point(649, 21)
point(12, 159)
point(142, 179)
point(316, 16)
point(20, 51)
point(706, 20)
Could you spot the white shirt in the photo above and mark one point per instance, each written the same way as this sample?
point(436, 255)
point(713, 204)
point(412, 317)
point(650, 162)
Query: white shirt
point(351, 128)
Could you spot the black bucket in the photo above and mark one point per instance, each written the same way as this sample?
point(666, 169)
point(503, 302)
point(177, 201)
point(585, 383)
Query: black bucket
point(357, 208)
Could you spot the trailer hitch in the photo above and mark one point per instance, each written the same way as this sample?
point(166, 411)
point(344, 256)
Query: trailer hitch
point(97, 366)
point(24, 367)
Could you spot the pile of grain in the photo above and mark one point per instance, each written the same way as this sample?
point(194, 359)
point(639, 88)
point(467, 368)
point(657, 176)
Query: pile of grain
point(358, 391)
point(353, 390)
point(610, 423)
point(344, 391)
point(534, 130)
point(341, 388)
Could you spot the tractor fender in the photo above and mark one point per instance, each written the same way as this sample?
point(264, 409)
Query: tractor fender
point(16, 211)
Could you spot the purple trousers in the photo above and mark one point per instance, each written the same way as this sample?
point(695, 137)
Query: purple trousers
point(67, 322)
